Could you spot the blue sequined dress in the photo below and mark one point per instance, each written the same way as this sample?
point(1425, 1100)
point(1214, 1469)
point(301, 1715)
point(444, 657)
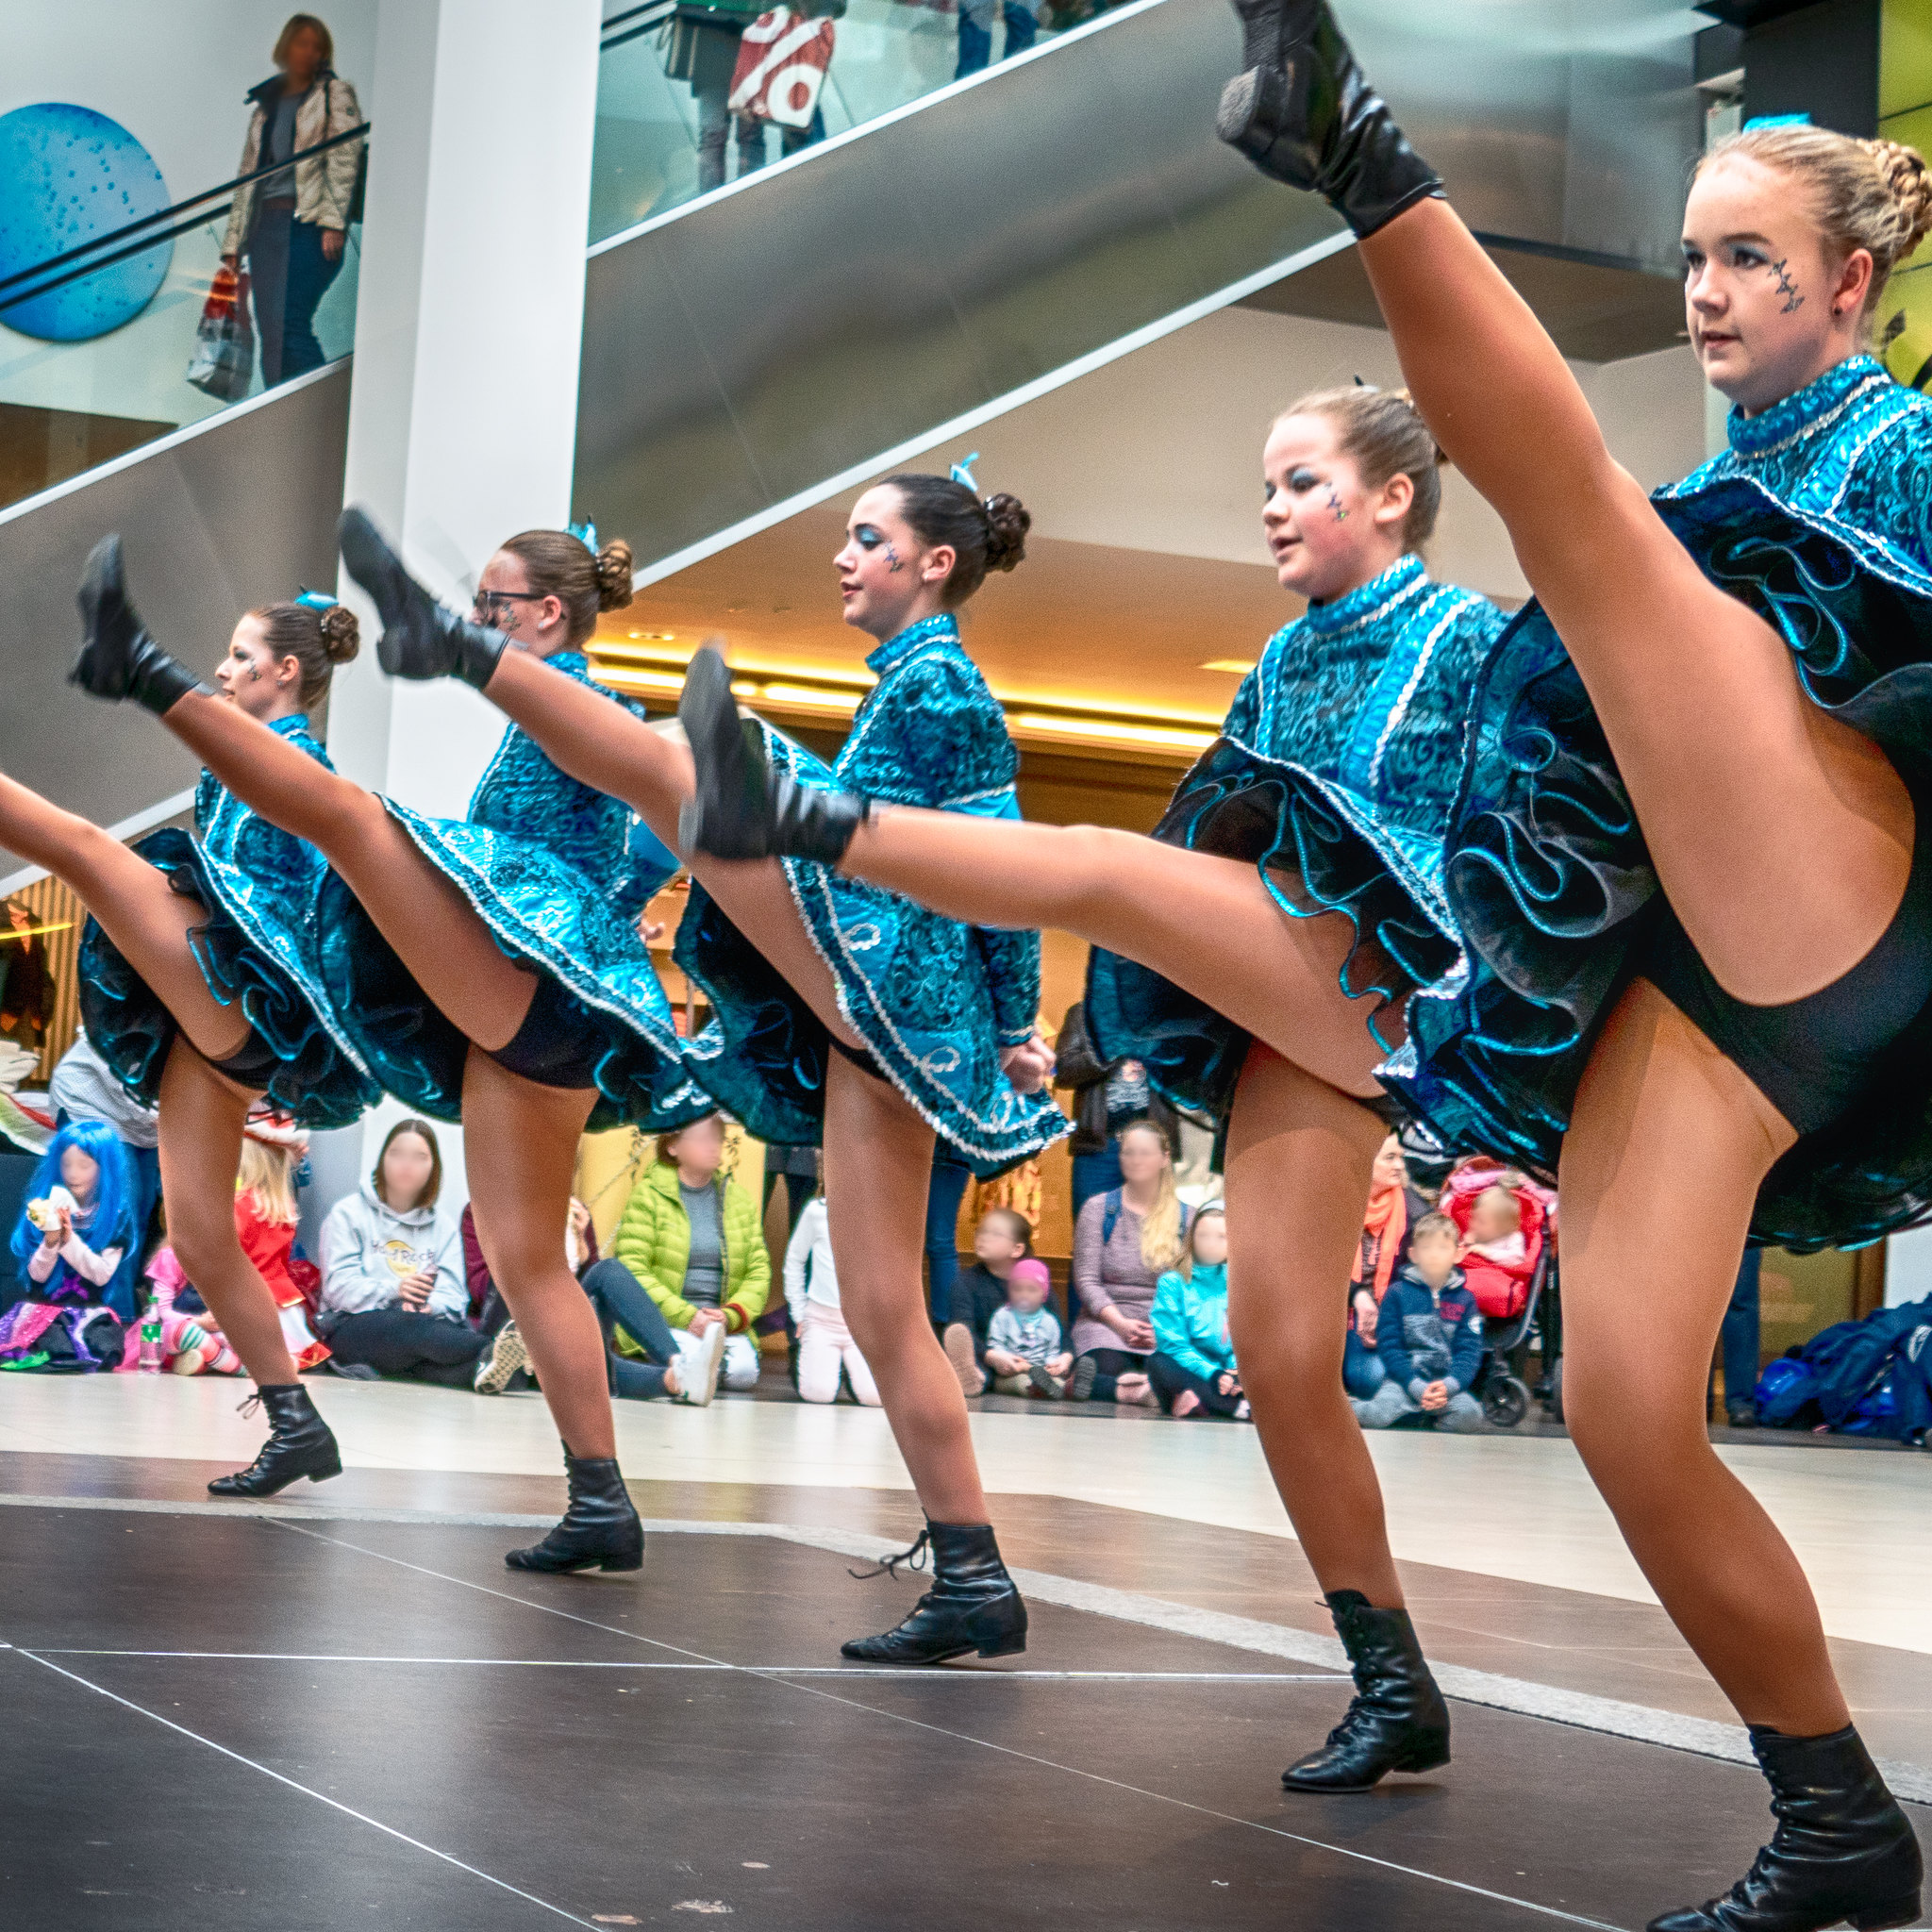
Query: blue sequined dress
point(260, 946)
point(1334, 774)
point(561, 873)
point(933, 1000)
point(1819, 516)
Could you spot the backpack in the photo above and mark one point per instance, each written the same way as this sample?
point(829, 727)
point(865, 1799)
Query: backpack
point(1111, 1216)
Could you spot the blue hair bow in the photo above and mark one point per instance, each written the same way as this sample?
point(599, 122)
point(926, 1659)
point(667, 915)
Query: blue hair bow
point(586, 533)
point(962, 473)
point(316, 600)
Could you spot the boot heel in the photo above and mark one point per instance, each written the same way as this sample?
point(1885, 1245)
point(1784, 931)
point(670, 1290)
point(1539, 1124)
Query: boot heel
point(1005, 1646)
point(630, 1560)
point(322, 1475)
point(1903, 1910)
point(1425, 1754)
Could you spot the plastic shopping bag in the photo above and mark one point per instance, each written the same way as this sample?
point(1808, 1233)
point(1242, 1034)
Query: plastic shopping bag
point(222, 363)
point(781, 68)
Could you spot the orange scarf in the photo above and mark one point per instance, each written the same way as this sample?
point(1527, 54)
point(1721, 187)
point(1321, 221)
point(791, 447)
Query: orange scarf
point(1387, 1218)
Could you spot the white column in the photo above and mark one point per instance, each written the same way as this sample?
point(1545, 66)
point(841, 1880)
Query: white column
point(462, 420)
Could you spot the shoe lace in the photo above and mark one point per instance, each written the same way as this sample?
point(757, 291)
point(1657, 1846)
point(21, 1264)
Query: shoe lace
point(913, 1558)
point(248, 1406)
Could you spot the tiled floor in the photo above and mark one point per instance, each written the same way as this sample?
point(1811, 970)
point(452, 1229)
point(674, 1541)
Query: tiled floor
point(341, 1709)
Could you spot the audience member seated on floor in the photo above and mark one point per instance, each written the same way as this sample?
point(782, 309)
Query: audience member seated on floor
point(1123, 1241)
point(76, 1224)
point(392, 1292)
point(84, 1089)
point(825, 1347)
point(647, 1360)
point(507, 1364)
point(1395, 1207)
point(1430, 1338)
point(695, 1242)
point(1193, 1367)
point(1022, 1341)
point(1003, 1238)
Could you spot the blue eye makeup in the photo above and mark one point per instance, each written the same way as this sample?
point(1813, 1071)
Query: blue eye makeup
point(867, 538)
point(1301, 477)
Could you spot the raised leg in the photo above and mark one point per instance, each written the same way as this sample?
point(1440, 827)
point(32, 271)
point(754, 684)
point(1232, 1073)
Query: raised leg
point(201, 1117)
point(1665, 1153)
point(145, 916)
point(1208, 923)
point(435, 930)
point(520, 1143)
point(1298, 1160)
point(1782, 837)
point(878, 1155)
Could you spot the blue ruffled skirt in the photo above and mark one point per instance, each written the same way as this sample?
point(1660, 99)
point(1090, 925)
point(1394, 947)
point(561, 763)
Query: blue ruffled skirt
point(1554, 890)
point(1320, 847)
point(912, 984)
point(545, 915)
point(249, 952)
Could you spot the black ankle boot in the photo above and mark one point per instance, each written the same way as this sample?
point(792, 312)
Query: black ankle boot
point(600, 1530)
point(118, 657)
point(1305, 113)
point(299, 1443)
point(1396, 1721)
point(742, 808)
point(972, 1605)
point(1843, 1850)
point(421, 639)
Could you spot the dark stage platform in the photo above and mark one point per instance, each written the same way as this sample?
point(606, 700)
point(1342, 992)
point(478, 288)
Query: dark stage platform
point(248, 1722)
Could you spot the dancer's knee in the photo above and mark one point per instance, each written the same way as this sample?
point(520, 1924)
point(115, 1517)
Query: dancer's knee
point(203, 1240)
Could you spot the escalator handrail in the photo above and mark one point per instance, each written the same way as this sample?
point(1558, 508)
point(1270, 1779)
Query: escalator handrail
point(53, 262)
point(94, 267)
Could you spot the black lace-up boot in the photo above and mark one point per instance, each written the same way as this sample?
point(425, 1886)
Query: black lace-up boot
point(743, 808)
point(1396, 1721)
point(600, 1530)
point(421, 639)
point(1843, 1852)
point(118, 657)
point(299, 1443)
point(972, 1605)
point(1304, 112)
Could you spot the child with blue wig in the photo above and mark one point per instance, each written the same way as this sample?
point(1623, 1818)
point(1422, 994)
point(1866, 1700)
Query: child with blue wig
point(77, 1252)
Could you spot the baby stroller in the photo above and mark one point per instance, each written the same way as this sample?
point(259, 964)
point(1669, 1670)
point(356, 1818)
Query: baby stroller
point(1519, 1301)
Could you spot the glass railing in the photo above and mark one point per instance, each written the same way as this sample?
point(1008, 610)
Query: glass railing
point(690, 96)
point(99, 339)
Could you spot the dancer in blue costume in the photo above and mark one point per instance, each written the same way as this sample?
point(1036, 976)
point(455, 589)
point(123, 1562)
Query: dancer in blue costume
point(496, 960)
point(846, 1014)
point(200, 987)
point(1749, 682)
point(1256, 955)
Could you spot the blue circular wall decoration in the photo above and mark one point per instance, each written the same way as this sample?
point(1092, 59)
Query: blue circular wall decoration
point(69, 175)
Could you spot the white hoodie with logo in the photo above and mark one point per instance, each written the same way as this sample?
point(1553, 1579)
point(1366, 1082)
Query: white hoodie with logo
point(369, 1248)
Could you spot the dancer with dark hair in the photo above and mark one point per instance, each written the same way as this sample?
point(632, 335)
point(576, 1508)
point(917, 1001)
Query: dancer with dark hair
point(1261, 949)
point(845, 1013)
point(491, 965)
point(201, 990)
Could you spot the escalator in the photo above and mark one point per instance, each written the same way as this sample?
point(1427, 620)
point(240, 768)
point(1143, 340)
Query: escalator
point(752, 352)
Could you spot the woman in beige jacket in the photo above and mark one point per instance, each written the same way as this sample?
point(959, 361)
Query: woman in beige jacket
point(292, 224)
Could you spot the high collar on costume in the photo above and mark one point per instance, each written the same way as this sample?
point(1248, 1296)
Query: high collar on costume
point(571, 662)
point(1751, 435)
point(296, 724)
point(1401, 579)
point(895, 650)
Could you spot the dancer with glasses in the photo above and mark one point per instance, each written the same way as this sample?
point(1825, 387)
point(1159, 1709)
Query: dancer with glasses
point(490, 969)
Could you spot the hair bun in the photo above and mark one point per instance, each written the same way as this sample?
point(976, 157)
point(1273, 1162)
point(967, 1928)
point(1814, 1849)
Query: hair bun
point(1903, 170)
point(613, 576)
point(341, 635)
point(1007, 520)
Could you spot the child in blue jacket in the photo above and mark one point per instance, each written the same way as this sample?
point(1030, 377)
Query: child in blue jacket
point(1430, 1338)
point(1192, 1368)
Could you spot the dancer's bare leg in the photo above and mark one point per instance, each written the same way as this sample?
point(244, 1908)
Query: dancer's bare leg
point(1666, 1150)
point(201, 1115)
point(1298, 1160)
point(879, 1163)
point(519, 1145)
point(1782, 837)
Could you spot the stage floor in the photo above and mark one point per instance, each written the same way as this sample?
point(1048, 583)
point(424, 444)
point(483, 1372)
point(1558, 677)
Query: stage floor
point(341, 1709)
